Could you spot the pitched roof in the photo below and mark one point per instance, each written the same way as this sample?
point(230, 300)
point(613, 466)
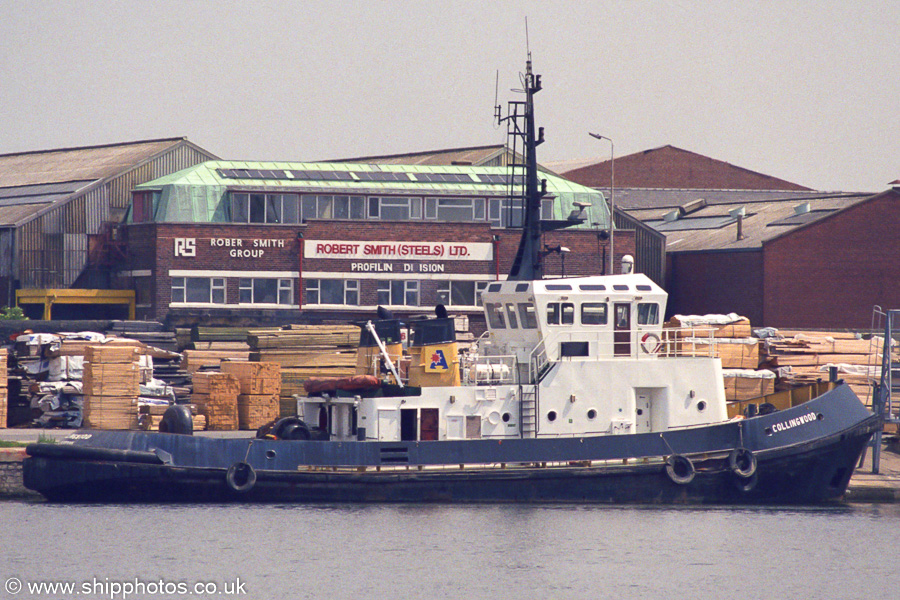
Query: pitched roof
point(77, 164)
point(474, 155)
point(705, 226)
point(671, 167)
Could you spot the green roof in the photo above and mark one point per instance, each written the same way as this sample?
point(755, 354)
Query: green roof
point(198, 193)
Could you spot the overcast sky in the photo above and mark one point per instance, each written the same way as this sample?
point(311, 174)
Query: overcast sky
point(804, 91)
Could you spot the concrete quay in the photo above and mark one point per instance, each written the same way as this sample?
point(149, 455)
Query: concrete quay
point(865, 487)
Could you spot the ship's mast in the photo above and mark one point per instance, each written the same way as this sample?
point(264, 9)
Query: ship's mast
point(527, 265)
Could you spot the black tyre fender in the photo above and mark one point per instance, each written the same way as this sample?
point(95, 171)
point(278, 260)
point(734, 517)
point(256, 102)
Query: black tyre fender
point(680, 469)
point(291, 428)
point(746, 484)
point(240, 477)
point(177, 419)
point(742, 463)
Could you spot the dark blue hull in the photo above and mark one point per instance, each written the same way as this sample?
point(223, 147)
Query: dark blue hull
point(802, 455)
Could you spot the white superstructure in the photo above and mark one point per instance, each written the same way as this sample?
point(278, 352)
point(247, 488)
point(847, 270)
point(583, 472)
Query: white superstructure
point(561, 358)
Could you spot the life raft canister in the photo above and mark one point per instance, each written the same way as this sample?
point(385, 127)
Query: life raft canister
point(650, 343)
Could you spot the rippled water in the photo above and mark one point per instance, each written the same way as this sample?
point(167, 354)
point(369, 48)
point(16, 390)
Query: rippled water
point(482, 551)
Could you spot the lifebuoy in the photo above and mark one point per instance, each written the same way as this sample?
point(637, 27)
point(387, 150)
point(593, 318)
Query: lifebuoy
point(742, 463)
point(680, 469)
point(650, 343)
point(240, 477)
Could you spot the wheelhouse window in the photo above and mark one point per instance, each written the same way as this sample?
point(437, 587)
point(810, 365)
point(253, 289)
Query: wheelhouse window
point(527, 315)
point(593, 313)
point(560, 313)
point(395, 208)
point(198, 290)
point(511, 316)
point(265, 208)
point(494, 312)
point(398, 293)
point(460, 293)
point(332, 291)
point(266, 291)
point(648, 313)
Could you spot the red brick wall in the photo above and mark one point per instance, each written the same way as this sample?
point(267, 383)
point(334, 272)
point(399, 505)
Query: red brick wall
point(151, 246)
point(831, 273)
point(716, 283)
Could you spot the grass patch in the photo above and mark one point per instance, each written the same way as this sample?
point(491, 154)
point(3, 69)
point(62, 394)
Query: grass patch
point(11, 444)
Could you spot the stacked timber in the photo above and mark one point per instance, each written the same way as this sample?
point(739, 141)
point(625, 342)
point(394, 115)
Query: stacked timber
point(150, 333)
point(195, 360)
point(727, 337)
point(111, 384)
point(803, 357)
point(215, 396)
point(305, 351)
point(4, 390)
point(260, 387)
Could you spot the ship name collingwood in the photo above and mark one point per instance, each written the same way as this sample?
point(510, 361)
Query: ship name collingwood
point(795, 422)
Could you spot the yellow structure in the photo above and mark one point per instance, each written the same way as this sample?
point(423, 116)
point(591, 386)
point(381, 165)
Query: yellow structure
point(434, 365)
point(50, 297)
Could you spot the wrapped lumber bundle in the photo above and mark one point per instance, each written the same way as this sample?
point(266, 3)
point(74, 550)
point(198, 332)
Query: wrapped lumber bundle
point(216, 398)
point(731, 325)
point(4, 388)
point(747, 384)
point(803, 357)
point(255, 410)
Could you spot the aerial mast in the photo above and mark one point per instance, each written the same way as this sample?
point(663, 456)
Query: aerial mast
point(528, 262)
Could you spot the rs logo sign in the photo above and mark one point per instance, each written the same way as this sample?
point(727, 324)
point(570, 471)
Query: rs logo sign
point(185, 247)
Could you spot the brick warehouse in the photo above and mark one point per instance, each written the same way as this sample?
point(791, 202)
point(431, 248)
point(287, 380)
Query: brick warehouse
point(290, 242)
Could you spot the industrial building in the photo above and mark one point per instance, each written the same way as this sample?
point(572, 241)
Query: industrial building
point(58, 212)
point(288, 242)
point(739, 241)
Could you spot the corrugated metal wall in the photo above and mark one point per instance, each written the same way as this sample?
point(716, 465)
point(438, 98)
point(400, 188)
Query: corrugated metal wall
point(650, 247)
point(53, 248)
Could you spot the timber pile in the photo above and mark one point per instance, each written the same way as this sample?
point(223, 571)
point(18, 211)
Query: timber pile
point(4, 393)
point(304, 351)
point(194, 360)
point(111, 384)
point(259, 384)
point(727, 337)
point(216, 398)
point(803, 357)
point(151, 333)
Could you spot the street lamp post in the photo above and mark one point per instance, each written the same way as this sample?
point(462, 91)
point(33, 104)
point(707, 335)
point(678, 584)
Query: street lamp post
point(612, 196)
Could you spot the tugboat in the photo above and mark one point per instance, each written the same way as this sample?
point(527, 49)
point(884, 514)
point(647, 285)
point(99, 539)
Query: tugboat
point(576, 393)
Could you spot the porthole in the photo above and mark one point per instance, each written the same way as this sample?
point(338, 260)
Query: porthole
point(701, 406)
point(820, 417)
point(270, 454)
point(592, 414)
point(506, 417)
point(768, 431)
point(551, 416)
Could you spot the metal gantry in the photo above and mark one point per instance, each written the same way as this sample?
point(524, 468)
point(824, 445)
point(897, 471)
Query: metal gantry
point(885, 386)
